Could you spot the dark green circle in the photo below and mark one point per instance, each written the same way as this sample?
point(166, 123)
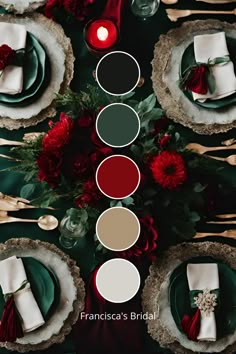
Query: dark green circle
point(118, 125)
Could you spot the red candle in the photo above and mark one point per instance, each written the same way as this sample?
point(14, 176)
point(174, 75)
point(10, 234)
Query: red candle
point(101, 35)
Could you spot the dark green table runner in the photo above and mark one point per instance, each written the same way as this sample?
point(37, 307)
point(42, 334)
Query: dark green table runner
point(138, 38)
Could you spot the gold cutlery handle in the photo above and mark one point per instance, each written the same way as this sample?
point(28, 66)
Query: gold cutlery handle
point(9, 219)
point(233, 222)
point(10, 142)
point(207, 234)
point(218, 148)
point(217, 158)
point(214, 12)
point(9, 157)
point(226, 216)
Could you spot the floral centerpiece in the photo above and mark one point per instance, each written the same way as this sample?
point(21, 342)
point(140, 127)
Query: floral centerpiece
point(175, 183)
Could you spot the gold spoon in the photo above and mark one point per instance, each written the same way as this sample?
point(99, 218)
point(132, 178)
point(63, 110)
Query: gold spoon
point(45, 222)
point(174, 14)
point(201, 149)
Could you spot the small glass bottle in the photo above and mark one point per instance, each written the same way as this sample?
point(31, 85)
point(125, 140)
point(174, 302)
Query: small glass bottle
point(73, 227)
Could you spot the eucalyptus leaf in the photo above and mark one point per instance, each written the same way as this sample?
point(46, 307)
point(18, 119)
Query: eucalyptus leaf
point(211, 82)
point(27, 190)
point(128, 201)
point(198, 187)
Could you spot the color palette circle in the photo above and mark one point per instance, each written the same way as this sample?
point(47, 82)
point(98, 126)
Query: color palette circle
point(118, 228)
point(117, 73)
point(117, 177)
point(118, 280)
point(118, 125)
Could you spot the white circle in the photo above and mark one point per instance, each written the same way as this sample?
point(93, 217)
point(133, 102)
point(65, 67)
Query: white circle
point(124, 93)
point(118, 280)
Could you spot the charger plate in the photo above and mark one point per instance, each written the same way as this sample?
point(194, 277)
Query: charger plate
point(155, 298)
point(72, 293)
point(59, 50)
point(166, 62)
point(21, 6)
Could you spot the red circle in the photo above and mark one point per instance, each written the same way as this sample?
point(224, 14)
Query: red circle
point(118, 177)
point(91, 35)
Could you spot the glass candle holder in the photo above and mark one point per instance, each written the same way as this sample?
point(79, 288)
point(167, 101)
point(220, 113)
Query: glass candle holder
point(101, 36)
point(144, 8)
point(73, 227)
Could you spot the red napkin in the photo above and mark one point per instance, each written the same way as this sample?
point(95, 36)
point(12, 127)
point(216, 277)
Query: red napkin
point(108, 336)
point(113, 10)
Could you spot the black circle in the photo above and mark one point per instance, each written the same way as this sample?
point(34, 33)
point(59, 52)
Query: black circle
point(117, 73)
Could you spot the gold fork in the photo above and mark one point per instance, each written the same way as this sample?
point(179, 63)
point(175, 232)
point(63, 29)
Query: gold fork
point(226, 233)
point(174, 14)
point(231, 160)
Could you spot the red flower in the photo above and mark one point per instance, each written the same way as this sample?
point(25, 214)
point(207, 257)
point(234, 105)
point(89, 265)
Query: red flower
point(85, 121)
point(77, 8)
point(147, 242)
point(164, 140)
point(59, 135)
point(168, 169)
point(7, 54)
point(100, 154)
point(197, 81)
point(49, 164)
point(80, 165)
point(91, 194)
point(160, 125)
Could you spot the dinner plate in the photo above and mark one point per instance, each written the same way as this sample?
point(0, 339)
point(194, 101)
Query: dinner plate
point(44, 286)
point(225, 312)
point(34, 74)
point(188, 59)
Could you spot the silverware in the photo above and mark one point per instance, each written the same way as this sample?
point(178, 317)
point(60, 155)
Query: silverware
point(9, 158)
point(228, 142)
point(174, 14)
point(232, 222)
point(201, 149)
point(8, 203)
point(231, 160)
point(226, 216)
point(226, 233)
point(45, 222)
point(10, 142)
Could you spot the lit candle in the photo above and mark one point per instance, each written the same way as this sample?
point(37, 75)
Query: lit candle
point(101, 35)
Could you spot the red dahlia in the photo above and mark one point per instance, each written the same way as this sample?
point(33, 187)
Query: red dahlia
point(168, 169)
point(7, 54)
point(59, 135)
point(91, 194)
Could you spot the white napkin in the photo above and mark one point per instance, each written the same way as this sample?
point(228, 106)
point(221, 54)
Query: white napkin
point(210, 46)
point(201, 277)
point(14, 35)
point(12, 275)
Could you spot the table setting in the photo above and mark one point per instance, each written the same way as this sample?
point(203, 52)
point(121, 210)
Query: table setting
point(117, 176)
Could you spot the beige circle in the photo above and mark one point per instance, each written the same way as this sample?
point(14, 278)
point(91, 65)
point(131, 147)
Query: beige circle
point(118, 228)
point(118, 280)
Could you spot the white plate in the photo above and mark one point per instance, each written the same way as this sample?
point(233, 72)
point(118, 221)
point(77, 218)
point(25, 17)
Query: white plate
point(21, 6)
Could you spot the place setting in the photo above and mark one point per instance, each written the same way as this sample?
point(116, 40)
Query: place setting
point(193, 89)
point(32, 71)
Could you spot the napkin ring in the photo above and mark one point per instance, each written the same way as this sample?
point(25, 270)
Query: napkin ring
point(205, 302)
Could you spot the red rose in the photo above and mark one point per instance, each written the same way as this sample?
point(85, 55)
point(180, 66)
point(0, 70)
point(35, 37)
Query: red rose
point(160, 125)
point(99, 155)
point(49, 164)
point(7, 54)
point(80, 165)
point(59, 135)
point(91, 194)
point(146, 243)
point(197, 81)
point(164, 140)
point(77, 8)
point(168, 169)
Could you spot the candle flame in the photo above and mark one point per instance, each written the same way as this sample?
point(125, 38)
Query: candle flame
point(102, 33)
